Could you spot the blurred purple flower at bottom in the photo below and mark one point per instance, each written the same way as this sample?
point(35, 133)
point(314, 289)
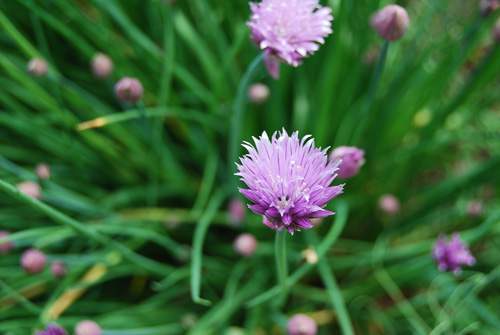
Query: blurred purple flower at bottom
point(452, 254)
point(288, 180)
point(352, 159)
point(53, 330)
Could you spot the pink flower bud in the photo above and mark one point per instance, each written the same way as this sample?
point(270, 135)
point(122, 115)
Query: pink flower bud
point(129, 90)
point(301, 324)
point(58, 269)
point(486, 7)
point(6, 246)
point(88, 327)
point(389, 204)
point(30, 189)
point(475, 208)
point(391, 22)
point(33, 261)
point(258, 93)
point(38, 67)
point(237, 211)
point(351, 158)
point(43, 171)
point(496, 31)
point(272, 64)
point(101, 65)
point(245, 244)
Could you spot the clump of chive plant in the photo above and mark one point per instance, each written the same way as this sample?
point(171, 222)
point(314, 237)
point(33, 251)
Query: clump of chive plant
point(289, 180)
point(391, 22)
point(288, 30)
point(451, 255)
point(351, 158)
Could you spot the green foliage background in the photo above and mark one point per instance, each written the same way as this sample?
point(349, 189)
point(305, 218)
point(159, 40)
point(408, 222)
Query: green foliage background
point(137, 207)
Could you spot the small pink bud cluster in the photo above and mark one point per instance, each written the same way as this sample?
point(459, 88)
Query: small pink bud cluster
point(88, 327)
point(389, 204)
point(245, 244)
point(33, 261)
point(6, 246)
point(30, 189)
point(129, 90)
point(258, 93)
point(101, 65)
point(301, 324)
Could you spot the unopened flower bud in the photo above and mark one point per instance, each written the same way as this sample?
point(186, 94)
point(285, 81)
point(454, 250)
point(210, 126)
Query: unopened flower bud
point(101, 65)
point(43, 171)
point(30, 189)
point(351, 158)
point(245, 244)
point(496, 31)
point(33, 261)
point(88, 327)
point(391, 22)
point(58, 269)
point(129, 90)
point(6, 246)
point(486, 7)
point(475, 208)
point(237, 211)
point(38, 67)
point(301, 324)
point(258, 93)
point(389, 204)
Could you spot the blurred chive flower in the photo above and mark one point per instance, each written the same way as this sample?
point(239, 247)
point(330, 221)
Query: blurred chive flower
point(53, 330)
point(301, 324)
point(496, 31)
point(38, 67)
point(33, 261)
point(101, 65)
point(391, 22)
point(42, 171)
point(351, 158)
point(289, 30)
point(486, 7)
point(475, 208)
point(129, 90)
point(288, 180)
point(88, 327)
point(6, 246)
point(58, 269)
point(258, 93)
point(30, 188)
point(245, 244)
point(236, 210)
point(389, 204)
point(451, 255)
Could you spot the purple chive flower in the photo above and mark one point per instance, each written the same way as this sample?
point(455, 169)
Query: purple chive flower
point(451, 255)
point(87, 327)
point(301, 324)
point(33, 261)
point(351, 158)
point(53, 330)
point(101, 65)
point(288, 180)
point(245, 244)
point(6, 246)
point(289, 30)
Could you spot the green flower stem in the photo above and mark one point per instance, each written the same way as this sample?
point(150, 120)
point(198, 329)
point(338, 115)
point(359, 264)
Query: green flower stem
point(364, 115)
point(281, 261)
point(239, 112)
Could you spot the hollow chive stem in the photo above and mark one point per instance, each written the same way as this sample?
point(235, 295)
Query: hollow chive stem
point(281, 261)
point(239, 111)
